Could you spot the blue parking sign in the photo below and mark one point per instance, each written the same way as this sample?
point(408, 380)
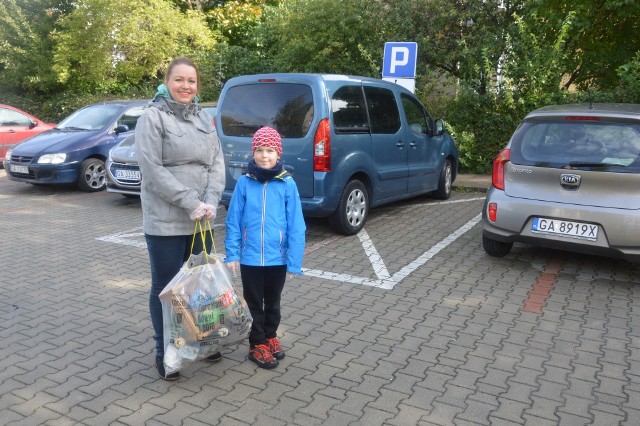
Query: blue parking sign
point(400, 59)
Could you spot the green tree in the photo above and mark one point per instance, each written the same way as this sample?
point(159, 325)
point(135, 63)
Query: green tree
point(603, 36)
point(318, 36)
point(110, 45)
point(25, 46)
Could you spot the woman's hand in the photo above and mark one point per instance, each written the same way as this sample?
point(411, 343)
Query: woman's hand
point(209, 212)
point(199, 212)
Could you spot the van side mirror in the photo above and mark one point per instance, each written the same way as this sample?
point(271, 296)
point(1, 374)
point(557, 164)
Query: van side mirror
point(439, 127)
point(32, 124)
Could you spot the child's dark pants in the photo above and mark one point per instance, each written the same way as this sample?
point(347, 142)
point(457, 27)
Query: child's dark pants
point(262, 288)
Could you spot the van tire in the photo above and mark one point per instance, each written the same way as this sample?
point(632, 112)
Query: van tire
point(444, 182)
point(495, 248)
point(352, 210)
point(92, 176)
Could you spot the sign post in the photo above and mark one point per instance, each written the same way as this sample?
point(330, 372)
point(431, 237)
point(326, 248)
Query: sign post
point(399, 63)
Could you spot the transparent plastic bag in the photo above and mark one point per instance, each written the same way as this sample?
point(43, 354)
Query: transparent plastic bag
point(202, 312)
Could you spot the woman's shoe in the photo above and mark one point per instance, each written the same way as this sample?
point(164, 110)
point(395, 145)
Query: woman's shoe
point(214, 358)
point(162, 373)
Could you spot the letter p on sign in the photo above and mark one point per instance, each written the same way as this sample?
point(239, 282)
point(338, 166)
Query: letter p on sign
point(400, 59)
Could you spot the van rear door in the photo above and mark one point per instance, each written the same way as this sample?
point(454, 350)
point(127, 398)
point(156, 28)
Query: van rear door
point(250, 102)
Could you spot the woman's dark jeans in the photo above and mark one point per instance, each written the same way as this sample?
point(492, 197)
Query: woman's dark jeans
point(262, 288)
point(166, 257)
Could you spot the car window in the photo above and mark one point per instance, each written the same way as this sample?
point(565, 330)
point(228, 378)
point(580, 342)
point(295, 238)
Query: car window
point(131, 116)
point(94, 117)
point(582, 144)
point(383, 110)
point(416, 116)
point(349, 110)
point(287, 107)
point(9, 117)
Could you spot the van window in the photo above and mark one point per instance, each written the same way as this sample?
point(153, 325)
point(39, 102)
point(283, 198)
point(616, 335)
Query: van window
point(416, 116)
point(349, 110)
point(287, 107)
point(383, 110)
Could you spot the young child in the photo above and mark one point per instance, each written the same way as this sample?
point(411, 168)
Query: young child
point(265, 240)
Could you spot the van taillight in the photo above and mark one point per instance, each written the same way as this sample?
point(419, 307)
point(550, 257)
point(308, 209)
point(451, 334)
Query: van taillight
point(497, 177)
point(322, 148)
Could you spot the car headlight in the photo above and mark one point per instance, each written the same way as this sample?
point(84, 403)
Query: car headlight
point(7, 156)
point(52, 158)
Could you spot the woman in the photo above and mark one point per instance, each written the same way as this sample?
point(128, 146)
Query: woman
point(183, 178)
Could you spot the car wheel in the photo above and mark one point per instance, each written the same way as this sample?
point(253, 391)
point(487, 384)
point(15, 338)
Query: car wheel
point(353, 209)
point(445, 182)
point(495, 248)
point(93, 175)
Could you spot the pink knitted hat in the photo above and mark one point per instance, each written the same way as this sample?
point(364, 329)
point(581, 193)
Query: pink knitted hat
point(266, 136)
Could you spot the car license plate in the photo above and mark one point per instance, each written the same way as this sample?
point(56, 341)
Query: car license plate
point(565, 228)
point(19, 169)
point(128, 174)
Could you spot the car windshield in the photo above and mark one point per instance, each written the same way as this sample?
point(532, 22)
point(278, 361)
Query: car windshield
point(595, 145)
point(286, 107)
point(94, 117)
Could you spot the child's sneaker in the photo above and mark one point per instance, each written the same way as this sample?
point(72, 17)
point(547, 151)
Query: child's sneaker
point(275, 348)
point(261, 355)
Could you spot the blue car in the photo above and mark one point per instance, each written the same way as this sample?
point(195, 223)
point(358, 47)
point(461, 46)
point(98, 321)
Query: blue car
point(75, 151)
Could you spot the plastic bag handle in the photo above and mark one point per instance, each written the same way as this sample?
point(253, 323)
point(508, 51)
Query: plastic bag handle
point(202, 231)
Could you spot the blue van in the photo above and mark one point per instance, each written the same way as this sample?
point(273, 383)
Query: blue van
point(350, 143)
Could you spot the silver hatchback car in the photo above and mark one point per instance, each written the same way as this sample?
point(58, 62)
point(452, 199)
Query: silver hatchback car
point(569, 179)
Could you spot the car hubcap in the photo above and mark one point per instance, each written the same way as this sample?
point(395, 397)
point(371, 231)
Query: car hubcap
point(356, 207)
point(96, 176)
point(447, 179)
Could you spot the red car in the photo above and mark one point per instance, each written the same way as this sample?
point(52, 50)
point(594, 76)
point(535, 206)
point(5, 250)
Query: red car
point(16, 126)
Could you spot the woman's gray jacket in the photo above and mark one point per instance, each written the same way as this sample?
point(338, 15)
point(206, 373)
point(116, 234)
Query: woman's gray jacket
point(181, 163)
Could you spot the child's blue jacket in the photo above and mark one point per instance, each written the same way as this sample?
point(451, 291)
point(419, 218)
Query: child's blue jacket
point(265, 226)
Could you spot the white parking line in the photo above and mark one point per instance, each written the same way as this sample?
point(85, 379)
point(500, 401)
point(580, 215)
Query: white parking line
point(376, 261)
point(389, 283)
point(135, 237)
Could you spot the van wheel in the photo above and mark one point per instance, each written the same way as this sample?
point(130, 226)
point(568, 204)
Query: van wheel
point(444, 183)
point(353, 209)
point(93, 175)
point(495, 248)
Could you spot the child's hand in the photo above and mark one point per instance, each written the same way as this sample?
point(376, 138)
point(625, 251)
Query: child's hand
point(234, 267)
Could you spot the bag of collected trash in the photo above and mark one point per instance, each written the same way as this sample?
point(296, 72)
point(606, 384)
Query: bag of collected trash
point(201, 311)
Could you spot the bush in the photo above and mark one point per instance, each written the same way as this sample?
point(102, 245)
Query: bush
point(481, 126)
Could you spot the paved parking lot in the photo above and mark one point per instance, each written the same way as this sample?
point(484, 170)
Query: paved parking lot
point(408, 323)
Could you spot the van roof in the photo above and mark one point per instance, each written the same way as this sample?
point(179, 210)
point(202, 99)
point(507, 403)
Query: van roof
point(308, 77)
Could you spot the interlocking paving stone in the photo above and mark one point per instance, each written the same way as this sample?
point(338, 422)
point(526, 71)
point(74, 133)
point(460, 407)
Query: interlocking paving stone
point(448, 345)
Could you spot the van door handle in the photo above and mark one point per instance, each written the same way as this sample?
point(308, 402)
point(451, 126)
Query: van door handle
point(413, 145)
point(400, 144)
